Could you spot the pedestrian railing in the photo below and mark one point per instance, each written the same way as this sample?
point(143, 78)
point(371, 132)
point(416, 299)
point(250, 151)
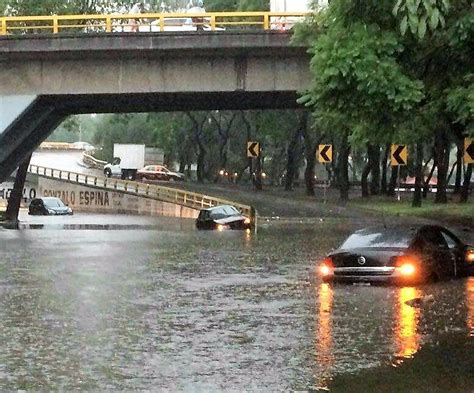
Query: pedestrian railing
point(152, 22)
point(165, 194)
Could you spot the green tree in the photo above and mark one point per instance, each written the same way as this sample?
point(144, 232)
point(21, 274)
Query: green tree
point(382, 67)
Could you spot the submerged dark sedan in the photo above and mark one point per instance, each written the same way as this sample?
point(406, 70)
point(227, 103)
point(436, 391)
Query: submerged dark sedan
point(399, 255)
point(222, 217)
point(49, 206)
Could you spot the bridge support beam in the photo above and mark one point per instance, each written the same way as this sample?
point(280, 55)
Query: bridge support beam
point(25, 121)
point(14, 201)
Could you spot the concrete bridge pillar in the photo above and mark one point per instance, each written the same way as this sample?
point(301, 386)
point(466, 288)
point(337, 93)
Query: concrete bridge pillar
point(24, 122)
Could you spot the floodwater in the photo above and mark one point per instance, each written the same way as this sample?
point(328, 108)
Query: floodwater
point(153, 304)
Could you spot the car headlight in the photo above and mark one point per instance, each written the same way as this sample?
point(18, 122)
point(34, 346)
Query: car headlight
point(247, 221)
point(52, 212)
point(221, 227)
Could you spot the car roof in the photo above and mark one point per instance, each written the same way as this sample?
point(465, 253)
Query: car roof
point(399, 228)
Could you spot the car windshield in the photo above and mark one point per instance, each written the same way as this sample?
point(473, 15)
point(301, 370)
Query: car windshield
point(223, 212)
point(50, 203)
point(383, 238)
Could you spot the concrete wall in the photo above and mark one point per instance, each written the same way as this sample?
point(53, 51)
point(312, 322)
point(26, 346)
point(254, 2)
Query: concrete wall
point(86, 199)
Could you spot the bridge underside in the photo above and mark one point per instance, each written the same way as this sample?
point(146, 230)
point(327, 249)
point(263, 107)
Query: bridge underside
point(22, 136)
point(44, 79)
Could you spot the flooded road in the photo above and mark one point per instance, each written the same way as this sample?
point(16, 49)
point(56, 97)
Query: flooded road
point(154, 304)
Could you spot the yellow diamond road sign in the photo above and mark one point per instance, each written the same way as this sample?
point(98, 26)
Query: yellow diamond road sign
point(399, 155)
point(253, 149)
point(325, 154)
point(469, 151)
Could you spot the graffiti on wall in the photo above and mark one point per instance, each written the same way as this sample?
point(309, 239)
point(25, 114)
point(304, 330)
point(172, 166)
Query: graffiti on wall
point(80, 198)
point(7, 188)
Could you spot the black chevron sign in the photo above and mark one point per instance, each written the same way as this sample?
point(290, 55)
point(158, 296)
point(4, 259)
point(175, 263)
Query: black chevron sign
point(253, 149)
point(399, 155)
point(469, 151)
point(325, 153)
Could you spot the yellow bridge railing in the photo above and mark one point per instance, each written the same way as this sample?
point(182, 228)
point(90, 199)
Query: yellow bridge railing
point(151, 22)
point(166, 194)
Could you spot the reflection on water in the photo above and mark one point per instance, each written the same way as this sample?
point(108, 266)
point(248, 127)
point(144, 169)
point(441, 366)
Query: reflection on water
point(324, 339)
point(470, 305)
point(406, 336)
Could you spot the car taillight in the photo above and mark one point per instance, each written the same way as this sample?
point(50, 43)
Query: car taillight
point(327, 267)
point(406, 265)
point(470, 256)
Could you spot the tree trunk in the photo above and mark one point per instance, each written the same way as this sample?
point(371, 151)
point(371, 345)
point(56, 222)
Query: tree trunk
point(200, 165)
point(442, 152)
point(292, 159)
point(375, 169)
point(310, 153)
point(182, 165)
point(417, 196)
point(257, 179)
point(13, 207)
point(383, 181)
point(364, 182)
point(426, 185)
point(459, 167)
point(343, 168)
point(467, 184)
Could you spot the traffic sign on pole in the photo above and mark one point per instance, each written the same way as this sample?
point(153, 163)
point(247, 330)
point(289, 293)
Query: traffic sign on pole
point(399, 155)
point(253, 149)
point(325, 154)
point(469, 151)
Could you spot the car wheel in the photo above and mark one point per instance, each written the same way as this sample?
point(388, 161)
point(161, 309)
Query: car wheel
point(108, 172)
point(171, 179)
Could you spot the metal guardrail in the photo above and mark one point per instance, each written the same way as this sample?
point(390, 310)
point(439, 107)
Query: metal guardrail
point(155, 21)
point(92, 162)
point(165, 194)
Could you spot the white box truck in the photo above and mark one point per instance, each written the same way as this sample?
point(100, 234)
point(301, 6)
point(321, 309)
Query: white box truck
point(290, 5)
point(296, 6)
point(128, 158)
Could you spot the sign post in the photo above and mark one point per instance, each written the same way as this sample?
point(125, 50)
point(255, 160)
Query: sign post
point(325, 157)
point(398, 157)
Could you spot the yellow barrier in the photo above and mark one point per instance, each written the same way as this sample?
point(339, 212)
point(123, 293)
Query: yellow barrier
point(153, 22)
point(165, 194)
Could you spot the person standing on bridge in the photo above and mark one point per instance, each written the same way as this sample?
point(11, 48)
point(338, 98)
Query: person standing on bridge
point(138, 8)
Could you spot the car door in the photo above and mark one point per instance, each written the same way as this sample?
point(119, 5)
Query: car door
point(115, 167)
point(435, 248)
point(457, 250)
point(161, 171)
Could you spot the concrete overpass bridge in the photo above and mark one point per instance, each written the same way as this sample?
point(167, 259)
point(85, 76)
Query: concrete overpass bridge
point(45, 78)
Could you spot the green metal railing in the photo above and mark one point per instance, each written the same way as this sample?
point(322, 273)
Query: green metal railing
point(109, 23)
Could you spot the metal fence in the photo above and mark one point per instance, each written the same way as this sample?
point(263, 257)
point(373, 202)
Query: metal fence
point(153, 22)
point(165, 194)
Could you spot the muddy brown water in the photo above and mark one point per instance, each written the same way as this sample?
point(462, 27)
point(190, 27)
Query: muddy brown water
point(153, 304)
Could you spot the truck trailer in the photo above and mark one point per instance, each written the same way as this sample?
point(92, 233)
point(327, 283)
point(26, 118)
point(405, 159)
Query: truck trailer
point(128, 158)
